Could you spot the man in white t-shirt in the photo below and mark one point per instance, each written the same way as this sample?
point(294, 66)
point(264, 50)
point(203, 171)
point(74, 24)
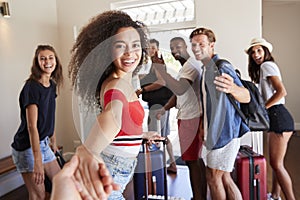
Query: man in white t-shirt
point(186, 88)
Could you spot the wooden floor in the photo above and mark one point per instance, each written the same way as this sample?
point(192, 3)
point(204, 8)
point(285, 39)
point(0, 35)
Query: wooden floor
point(179, 185)
point(18, 194)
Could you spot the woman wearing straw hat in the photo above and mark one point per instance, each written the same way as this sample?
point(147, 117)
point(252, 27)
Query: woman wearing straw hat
point(265, 72)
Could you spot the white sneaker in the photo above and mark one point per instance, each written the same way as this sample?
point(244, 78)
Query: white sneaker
point(269, 197)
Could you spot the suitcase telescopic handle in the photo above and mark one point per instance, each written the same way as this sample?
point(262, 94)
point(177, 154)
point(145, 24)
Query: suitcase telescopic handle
point(148, 175)
point(258, 190)
point(164, 141)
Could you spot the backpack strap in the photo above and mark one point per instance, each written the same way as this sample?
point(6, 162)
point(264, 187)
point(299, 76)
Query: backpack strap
point(232, 100)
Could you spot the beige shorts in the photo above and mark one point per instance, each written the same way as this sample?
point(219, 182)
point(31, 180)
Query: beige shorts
point(223, 158)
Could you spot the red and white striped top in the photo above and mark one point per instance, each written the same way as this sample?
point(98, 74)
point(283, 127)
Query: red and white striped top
point(128, 141)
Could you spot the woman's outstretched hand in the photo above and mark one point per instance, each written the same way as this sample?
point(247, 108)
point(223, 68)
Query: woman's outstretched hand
point(93, 175)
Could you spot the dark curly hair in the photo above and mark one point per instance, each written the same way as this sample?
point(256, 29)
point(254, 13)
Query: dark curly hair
point(253, 68)
point(91, 61)
point(36, 72)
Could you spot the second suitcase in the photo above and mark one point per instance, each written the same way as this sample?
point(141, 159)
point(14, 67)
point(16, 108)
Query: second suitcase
point(250, 174)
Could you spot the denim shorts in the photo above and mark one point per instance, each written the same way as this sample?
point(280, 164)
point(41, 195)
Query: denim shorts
point(24, 160)
point(121, 170)
point(280, 119)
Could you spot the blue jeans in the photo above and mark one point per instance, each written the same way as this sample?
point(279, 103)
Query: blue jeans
point(24, 160)
point(121, 170)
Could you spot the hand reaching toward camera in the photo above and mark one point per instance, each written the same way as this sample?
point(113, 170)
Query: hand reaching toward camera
point(93, 175)
point(64, 184)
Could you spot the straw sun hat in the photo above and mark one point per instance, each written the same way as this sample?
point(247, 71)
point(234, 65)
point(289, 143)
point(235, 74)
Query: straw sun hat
point(259, 41)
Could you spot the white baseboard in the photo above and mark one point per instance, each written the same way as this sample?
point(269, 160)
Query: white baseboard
point(297, 126)
point(9, 182)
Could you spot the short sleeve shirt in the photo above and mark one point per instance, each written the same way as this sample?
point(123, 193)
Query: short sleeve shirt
point(44, 98)
point(268, 69)
point(188, 104)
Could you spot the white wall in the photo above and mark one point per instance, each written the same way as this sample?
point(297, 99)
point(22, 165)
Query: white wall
point(233, 21)
point(32, 22)
point(281, 28)
point(70, 13)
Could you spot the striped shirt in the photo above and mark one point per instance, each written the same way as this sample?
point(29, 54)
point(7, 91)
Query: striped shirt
point(128, 141)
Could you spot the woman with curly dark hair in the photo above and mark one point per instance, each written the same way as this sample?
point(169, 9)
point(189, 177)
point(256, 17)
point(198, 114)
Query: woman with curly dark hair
point(106, 54)
point(31, 150)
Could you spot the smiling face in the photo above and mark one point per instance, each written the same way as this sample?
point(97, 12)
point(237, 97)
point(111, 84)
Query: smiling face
point(202, 47)
point(178, 49)
point(258, 54)
point(47, 61)
point(126, 50)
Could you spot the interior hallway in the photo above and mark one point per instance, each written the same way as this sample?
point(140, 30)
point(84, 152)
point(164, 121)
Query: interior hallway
point(179, 185)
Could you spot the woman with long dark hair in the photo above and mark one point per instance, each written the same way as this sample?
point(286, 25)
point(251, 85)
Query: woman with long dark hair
point(31, 150)
point(264, 71)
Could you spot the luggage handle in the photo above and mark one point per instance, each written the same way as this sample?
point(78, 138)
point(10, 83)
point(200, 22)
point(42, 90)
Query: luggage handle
point(148, 174)
point(164, 141)
point(247, 150)
point(60, 159)
point(158, 125)
point(257, 189)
